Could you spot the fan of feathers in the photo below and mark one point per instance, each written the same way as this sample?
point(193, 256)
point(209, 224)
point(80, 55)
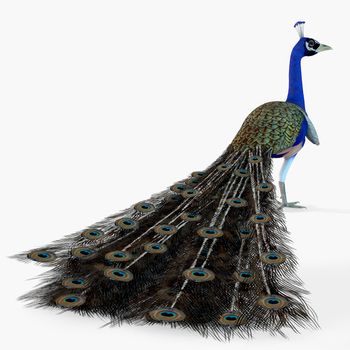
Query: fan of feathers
point(210, 253)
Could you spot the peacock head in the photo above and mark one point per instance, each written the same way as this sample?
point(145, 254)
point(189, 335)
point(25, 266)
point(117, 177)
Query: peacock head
point(307, 46)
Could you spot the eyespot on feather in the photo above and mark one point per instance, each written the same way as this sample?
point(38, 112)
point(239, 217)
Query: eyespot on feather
point(118, 275)
point(189, 193)
point(167, 315)
point(244, 276)
point(190, 217)
point(272, 302)
point(127, 223)
point(210, 232)
point(155, 248)
point(92, 234)
point(42, 256)
point(224, 167)
point(245, 233)
point(264, 187)
point(193, 181)
point(70, 300)
point(75, 283)
point(236, 202)
point(144, 207)
point(174, 198)
point(199, 174)
point(165, 229)
point(231, 318)
point(242, 172)
point(255, 159)
point(118, 256)
point(260, 218)
point(179, 187)
point(198, 274)
point(84, 253)
point(273, 258)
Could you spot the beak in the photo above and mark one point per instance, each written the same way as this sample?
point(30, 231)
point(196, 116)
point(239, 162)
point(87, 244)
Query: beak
point(323, 48)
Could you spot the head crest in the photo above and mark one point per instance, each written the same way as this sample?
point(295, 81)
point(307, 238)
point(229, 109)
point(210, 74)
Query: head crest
point(299, 26)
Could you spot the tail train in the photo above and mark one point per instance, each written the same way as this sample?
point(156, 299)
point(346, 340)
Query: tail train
point(211, 253)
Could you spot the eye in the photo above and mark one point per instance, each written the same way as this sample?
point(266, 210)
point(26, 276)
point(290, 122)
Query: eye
point(311, 43)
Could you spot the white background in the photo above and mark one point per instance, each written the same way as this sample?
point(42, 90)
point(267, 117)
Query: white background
point(105, 102)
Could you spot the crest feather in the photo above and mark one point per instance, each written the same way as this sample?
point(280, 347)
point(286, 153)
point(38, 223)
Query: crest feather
point(299, 26)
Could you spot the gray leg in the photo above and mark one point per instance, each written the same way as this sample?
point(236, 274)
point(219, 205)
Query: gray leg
point(282, 183)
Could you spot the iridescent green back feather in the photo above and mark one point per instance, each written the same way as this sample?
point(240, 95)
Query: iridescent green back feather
point(273, 124)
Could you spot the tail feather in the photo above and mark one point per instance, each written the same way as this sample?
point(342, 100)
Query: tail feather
point(210, 253)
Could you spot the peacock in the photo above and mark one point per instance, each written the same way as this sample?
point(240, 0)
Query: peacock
point(210, 253)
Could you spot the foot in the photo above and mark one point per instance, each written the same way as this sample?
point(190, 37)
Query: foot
point(291, 205)
point(285, 203)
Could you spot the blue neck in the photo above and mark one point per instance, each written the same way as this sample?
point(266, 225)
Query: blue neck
point(295, 92)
